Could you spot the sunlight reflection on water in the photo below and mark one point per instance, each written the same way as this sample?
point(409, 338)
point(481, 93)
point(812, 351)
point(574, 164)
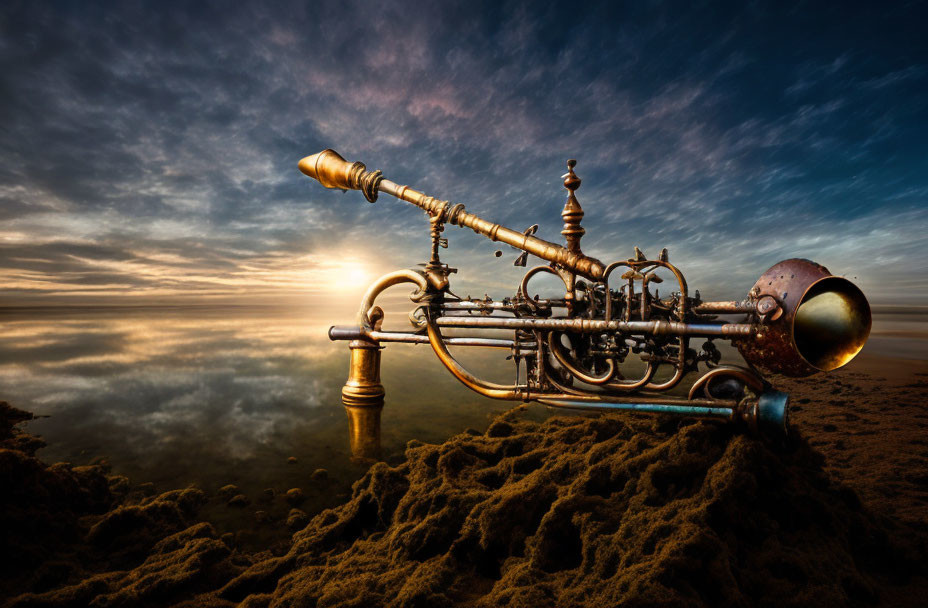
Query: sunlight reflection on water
point(225, 395)
point(213, 396)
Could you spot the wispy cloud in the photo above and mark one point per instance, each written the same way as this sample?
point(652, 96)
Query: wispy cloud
point(150, 150)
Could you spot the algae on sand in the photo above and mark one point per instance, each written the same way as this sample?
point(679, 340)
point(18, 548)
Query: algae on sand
point(570, 512)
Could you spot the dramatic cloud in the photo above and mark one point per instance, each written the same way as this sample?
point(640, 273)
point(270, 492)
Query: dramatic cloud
point(149, 149)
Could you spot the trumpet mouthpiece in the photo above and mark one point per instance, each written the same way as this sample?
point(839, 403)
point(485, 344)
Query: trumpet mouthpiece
point(308, 165)
point(331, 170)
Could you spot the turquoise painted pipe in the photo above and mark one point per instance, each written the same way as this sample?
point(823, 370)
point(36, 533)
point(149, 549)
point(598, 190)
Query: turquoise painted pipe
point(769, 414)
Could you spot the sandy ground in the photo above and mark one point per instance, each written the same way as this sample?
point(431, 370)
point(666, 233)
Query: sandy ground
point(870, 420)
point(568, 512)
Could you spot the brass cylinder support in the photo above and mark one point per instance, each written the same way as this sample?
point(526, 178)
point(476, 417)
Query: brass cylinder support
point(363, 388)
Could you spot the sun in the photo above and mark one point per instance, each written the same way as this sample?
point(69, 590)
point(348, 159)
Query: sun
point(349, 276)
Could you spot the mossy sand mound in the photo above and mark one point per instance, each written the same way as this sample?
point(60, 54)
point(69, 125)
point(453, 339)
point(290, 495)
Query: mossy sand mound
point(570, 512)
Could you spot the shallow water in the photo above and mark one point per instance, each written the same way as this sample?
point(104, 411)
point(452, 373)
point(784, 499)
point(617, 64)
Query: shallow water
point(211, 396)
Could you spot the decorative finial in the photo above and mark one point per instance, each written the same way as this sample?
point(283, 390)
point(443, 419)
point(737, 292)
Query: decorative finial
point(572, 212)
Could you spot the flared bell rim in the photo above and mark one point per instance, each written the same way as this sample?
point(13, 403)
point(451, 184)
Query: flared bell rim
point(858, 314)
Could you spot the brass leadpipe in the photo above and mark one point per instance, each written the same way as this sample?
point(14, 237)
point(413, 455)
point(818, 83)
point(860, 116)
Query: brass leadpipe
point(351, 332)
point(725, 308)
point(333, 171)
point(656, 327)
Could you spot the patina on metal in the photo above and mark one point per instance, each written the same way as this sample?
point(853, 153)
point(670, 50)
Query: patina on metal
point(572, 350)
point(826, 320)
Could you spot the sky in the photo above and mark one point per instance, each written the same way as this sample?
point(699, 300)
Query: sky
point(148, 150)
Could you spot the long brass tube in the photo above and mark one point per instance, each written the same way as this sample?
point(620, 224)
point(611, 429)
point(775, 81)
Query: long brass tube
point(656, 327)
point(333, 171)
point(352, 332)
point(745, 306)
point(588, 267)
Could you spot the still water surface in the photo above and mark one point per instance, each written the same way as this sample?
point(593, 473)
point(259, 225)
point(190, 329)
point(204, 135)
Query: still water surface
point(212, 396)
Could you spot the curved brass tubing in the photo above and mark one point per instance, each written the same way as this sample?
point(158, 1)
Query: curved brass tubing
point(523, 285)
point(634, 384)
point(555, 349)
point(498, 391)
point(681, 314)
point(363, 387)
point(488, 389)
point(384, 282)
point(602, 380)
point(611, 390)
point(677, 372)
point(750, 379)
point(608, 271)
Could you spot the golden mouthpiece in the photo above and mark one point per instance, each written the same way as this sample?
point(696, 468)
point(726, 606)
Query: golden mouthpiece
point(331, 170)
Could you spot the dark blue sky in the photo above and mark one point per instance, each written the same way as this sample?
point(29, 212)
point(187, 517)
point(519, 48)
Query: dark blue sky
point(150, 149)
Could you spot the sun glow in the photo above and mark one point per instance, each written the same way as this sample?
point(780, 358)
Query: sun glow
point(348, 276)
point(158, 275)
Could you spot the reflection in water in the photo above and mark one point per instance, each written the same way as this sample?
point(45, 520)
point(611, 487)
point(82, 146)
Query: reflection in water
point(215, 396)
point(364, 432)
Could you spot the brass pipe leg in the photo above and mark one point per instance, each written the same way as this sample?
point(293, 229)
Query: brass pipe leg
point(363, 398)
point(363, 388)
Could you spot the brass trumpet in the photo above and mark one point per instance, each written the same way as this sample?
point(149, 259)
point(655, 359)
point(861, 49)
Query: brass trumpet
point(568, 351)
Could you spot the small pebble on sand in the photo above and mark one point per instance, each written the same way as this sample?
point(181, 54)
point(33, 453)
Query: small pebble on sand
point(295, 496)
point(239, 500)
point(228, 491)
point(291, 460)
point(297, 519)
point(319, 475)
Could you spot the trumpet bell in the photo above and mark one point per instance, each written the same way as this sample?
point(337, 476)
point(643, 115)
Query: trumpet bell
point(832, 323)
point(824, 324)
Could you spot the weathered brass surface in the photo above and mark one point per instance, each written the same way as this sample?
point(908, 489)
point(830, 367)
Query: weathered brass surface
point(332, 171)
point(572, 213)
point(571, 350)
point(825, 320)
point(363, 388)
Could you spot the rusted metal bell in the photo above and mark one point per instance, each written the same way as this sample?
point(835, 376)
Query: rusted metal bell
point(824, 323)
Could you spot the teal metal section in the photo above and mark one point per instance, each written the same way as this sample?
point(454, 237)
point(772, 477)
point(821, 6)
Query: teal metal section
point(773, 412)
point(652, 408)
